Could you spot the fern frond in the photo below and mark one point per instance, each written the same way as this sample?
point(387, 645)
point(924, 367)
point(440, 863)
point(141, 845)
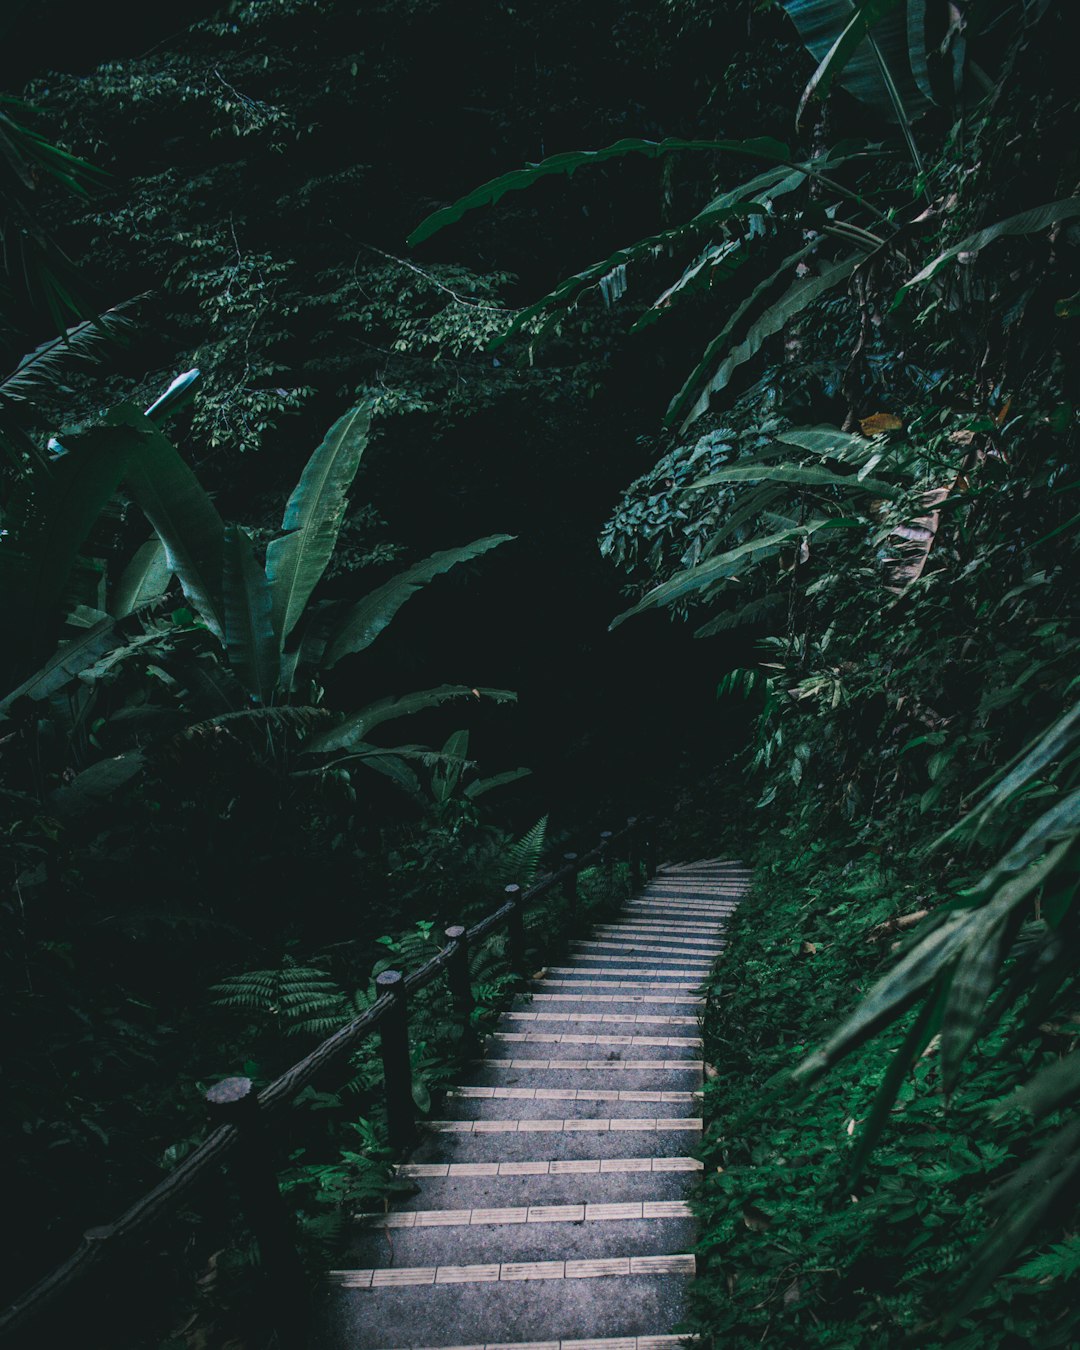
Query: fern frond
point(520, 861)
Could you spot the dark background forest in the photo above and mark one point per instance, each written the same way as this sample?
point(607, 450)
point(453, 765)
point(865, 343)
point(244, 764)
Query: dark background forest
point(727, 477)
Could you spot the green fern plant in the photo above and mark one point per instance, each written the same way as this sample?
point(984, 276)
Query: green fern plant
point(293, 999)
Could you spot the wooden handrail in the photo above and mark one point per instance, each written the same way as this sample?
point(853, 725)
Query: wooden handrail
point(104, 1244)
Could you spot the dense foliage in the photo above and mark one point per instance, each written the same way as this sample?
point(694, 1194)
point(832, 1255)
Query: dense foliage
point(840, 244)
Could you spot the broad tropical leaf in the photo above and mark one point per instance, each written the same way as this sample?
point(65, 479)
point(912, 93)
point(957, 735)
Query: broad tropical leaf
point(479, 786)
point(726, 565)
point(365, 620)
point(68, 501)
point(186, 520)
point(802, 293)
point(249, 631)
point(851, 36)
point(568, 162)
point(97, 783)
point(296, 561)
point(352, 731)
point(810, 475)
point(66, 663)
point(1027, 222)
point(865, 67)
point(145, 578)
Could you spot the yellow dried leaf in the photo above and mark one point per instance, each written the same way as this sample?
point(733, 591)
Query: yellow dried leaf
point(879, 422)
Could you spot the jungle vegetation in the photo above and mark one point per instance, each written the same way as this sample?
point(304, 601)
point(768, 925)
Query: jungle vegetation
point(664, 396)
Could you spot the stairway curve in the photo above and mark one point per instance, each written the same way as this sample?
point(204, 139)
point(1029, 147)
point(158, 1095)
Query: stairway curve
point(551, 1211)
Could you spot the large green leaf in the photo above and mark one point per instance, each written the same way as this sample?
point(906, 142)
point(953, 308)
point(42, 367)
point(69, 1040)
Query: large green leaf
point(716, 569)
point(66, 663)
point(364, 621)
point(1025, 769)
point(351, 732)
point(569, 161)
point(1019, 875)
point(186, 520)
point(811, 475)
point(1027, 222)
point(479, 786)
point(802, 293)
point(849, 39)
point(249, 631)
point(866, 66)
point(313, 515)
point(97, 784)
point(66, 503)
point(145, 578)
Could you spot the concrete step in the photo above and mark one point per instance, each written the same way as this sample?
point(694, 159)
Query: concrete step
point(643, 985)
point(577, 1105)
point(683, 971)
point(501, 1183)
point(605, 1016)
point(593, 1045)
point(621, 948)
point(538, 1303)
point(627, 999)
point(613, 1343)
point(479, 1236)
point(634, 1138)
point(681, 1074)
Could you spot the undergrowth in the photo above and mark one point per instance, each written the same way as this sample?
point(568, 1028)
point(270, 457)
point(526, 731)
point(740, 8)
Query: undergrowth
point(798, 1248)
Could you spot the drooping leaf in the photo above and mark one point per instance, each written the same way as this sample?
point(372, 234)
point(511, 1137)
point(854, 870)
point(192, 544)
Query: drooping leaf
point(66, 663)
point(145, 578)
point(568, 162)
point(896, 991)
point(186, 520)
point(821, 23)
point(812, 475)
point(1023, 770)
point(249, 631)
point(1027, 222)
point(66, 504)
point(802, 293)
point(716, 569)
point(848, 40)
point(97, 783)
point(364, 621)
point(347, 734)
point(313, 516)
point(479, 786)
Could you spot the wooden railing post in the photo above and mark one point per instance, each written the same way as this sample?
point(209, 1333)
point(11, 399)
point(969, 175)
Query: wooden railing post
point(633, 851)
point(397, 1063)
point(570, 886)
point(515, 926)
point(458, 976)
point(649, 850)
point(234, 1101)
point(608, 860)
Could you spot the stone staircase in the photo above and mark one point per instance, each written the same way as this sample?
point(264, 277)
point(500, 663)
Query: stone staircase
point(552, 1213)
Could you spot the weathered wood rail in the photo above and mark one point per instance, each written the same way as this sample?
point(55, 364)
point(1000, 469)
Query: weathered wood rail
point(244, 1118)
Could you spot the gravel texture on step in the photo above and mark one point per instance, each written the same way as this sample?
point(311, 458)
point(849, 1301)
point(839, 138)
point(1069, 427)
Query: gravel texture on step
point(482, 1243)
point(467, 1314)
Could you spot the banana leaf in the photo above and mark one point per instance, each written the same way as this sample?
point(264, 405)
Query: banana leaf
point(145, 578)
point(186, 520)
point(350, 732)
point(1027, 222)
point(364, 621)
point(249, 632)
point(313, 516)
